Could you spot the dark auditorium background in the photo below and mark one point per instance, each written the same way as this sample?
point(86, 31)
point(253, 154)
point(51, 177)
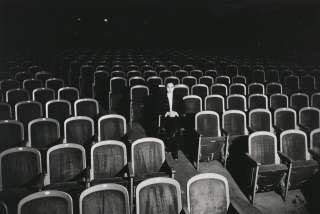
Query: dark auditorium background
point(238, 24)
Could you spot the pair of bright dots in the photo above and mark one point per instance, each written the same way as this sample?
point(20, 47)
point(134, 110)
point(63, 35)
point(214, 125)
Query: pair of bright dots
point(105, 19)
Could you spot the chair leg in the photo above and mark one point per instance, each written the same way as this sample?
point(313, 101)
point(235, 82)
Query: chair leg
point(131, 195)
point(287, 183)
point(255, 183)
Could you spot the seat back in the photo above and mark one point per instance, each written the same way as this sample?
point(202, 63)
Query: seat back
point(79, 130)
point(54, 84)
point(111, 127)
point(105, 198)
point(298, 101)
point(108, 158)
point(207, 123)
point(273, 88)
point(5, 111)
point(256, 88)
point(293, 143)
point(223, 80)
point(133, 81)
point(43, 95)
point(315, 100)
point(206, 80)
point(260, 120)
point(237, 88)
point(158, 196)
point(234, 122)
point(147, 155)
point(189, 81)
point(70, 94)
point(18, 166)
point(117, 85)
point(214, 103)
point(200, 90)
point(172, 79)
point(192, 104)
point(46, 202)
point(315, 140)
point(278, 101)
point(263, 147)
point(219, 89)
point(65, 162)
point(31, 84)
point(15, 96)
point(309, 117)
point(258, 101)
point(236, 102)
point(12, 134)
point(43, 133)
point(138, 93)
point(208, 193)
point(87, 107)
point(285, 118)
point(291, 84)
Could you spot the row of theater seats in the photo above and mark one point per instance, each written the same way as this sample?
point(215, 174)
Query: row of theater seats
point(154, 195)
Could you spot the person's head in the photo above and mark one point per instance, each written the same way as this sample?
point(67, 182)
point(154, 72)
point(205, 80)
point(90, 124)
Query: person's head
point(170, 87)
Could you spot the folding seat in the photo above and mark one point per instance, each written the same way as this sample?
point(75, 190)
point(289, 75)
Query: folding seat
point(208, 193)
point(239, 79)
point(43, 133)
point(211, 73)
point(66, 165)
point(3, 208)
point(309, 119)
point(258, 101)
point(154, 81)
point(85, 81)
point(284, 119)
point(260, 120)
point(189, 81)
point(149, 201)
point(21, 76)
point(273, 88)
point(293, 145)
point(215, 103)
point(206, 80)
point(43, 76)
point(5, 111)
point(237, 102)
point(87, 107)
point(174, 68)
point(278, 101)
point(273, 75)
point(121, 74)
point(196, 73)
point(79, 130)
point(258, 76)
point(263, 160)
point(111, 127)
point(237, 88)
point(54, 84)
point(211, 141)
point(308, 84)
point(181, 73)
point(70, 94)
point(150, 73)
point(105, 198)
point(200, 90)
point(172, 79)
point(165, 73)
point(133, 81)
point(232, 70)
point(138, 95)
point(101, 88)
point(189, 67)
point(46, 202)
point(8, 84)
point(31, 84)
point(234, 125)
point(12, 134)
point(192, 104)
point(43, 95)
point(291, 84)
point(27, 111)
point(256, 88)
point(109, 163)
point(59, 110)
point(219, 89)
point(223, 80)
point(133, 73)
point(298, 101)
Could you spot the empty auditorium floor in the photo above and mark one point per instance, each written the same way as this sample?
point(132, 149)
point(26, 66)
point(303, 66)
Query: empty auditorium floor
point(272, 203)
